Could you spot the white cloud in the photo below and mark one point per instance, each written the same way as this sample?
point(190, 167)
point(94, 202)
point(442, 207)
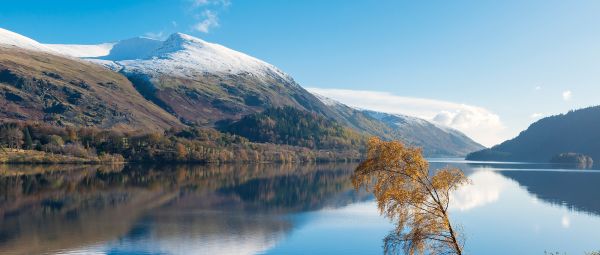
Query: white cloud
point(567, 95)
point(565, 221)
point(485, 188)
point(536, 115)
point(209, 17)
point(209, 20)
point(478, 123)
point(538, 88)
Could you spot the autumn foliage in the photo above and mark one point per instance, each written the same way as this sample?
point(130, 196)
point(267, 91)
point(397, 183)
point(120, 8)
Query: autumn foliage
point(184, 145)
point(414, 197)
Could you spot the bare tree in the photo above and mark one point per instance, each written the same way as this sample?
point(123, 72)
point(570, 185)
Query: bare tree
point(12, 137)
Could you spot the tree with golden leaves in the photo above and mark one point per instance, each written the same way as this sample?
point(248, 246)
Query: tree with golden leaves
point(411, 195)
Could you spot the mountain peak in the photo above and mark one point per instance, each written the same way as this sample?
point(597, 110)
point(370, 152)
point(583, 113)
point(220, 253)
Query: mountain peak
point(185, 55)
point(181, 39)
point(177, 42)
point(185, 37)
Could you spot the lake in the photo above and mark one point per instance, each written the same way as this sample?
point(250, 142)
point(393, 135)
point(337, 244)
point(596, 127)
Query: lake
point(510, 208)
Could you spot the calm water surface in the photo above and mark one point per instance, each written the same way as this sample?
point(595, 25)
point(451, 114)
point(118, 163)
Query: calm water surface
point(510, 208)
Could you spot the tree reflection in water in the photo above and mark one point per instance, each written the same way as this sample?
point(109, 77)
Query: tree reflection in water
point(51, 208)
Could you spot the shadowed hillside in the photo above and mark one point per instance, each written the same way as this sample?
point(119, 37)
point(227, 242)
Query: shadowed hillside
point(577, 131)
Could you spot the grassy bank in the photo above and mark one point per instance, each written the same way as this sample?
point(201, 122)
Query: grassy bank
point(18, 156)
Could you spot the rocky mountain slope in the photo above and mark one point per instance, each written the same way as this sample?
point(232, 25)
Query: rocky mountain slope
point(37, 86)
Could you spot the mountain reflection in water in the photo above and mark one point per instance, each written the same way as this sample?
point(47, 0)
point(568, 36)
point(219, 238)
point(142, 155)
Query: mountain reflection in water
point(551, 183)
point(51, 208)
point(274, 209)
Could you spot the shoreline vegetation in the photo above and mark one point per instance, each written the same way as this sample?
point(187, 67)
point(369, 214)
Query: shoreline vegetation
point(20, 156)
point(41, 143)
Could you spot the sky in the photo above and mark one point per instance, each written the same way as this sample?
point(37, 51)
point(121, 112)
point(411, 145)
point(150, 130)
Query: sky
point(487, 68)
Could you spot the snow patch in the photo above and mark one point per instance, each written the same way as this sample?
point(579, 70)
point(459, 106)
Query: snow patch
point(112, 65)
point(82, 51)
point(326, 100)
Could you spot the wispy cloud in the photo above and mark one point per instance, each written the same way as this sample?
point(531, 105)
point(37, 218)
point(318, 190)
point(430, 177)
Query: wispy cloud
point(567, 95)
point(209, 13)
point(537, 88)
point(156, 35)
point(209, 21)
point(198, 3)
point(477, 122)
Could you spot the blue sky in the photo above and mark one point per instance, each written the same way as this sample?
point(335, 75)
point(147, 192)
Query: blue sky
point(496, 66)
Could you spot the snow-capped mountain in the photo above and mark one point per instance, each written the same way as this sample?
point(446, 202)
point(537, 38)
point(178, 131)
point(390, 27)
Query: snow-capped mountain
point(198, 81)
point(179, 55)
point(192, 81)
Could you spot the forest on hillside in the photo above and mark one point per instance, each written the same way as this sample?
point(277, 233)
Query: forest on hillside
point(288, 125)
point(289, 135)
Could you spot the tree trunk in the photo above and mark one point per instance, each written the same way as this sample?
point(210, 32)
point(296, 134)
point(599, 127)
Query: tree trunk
point(452, 234)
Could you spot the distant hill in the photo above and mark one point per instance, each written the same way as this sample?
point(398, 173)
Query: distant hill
point(577, 131)
point(436, 140)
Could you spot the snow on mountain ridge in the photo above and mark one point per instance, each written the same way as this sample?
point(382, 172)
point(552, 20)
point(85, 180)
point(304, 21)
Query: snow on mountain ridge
point(180, 55)
point(12, 39)
point(82, 50)
point(184, 55)
point(133, 48)
point(326, 100)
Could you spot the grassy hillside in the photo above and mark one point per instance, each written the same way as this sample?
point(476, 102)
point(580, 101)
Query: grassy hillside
point(62, 91)
point(204, 99)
